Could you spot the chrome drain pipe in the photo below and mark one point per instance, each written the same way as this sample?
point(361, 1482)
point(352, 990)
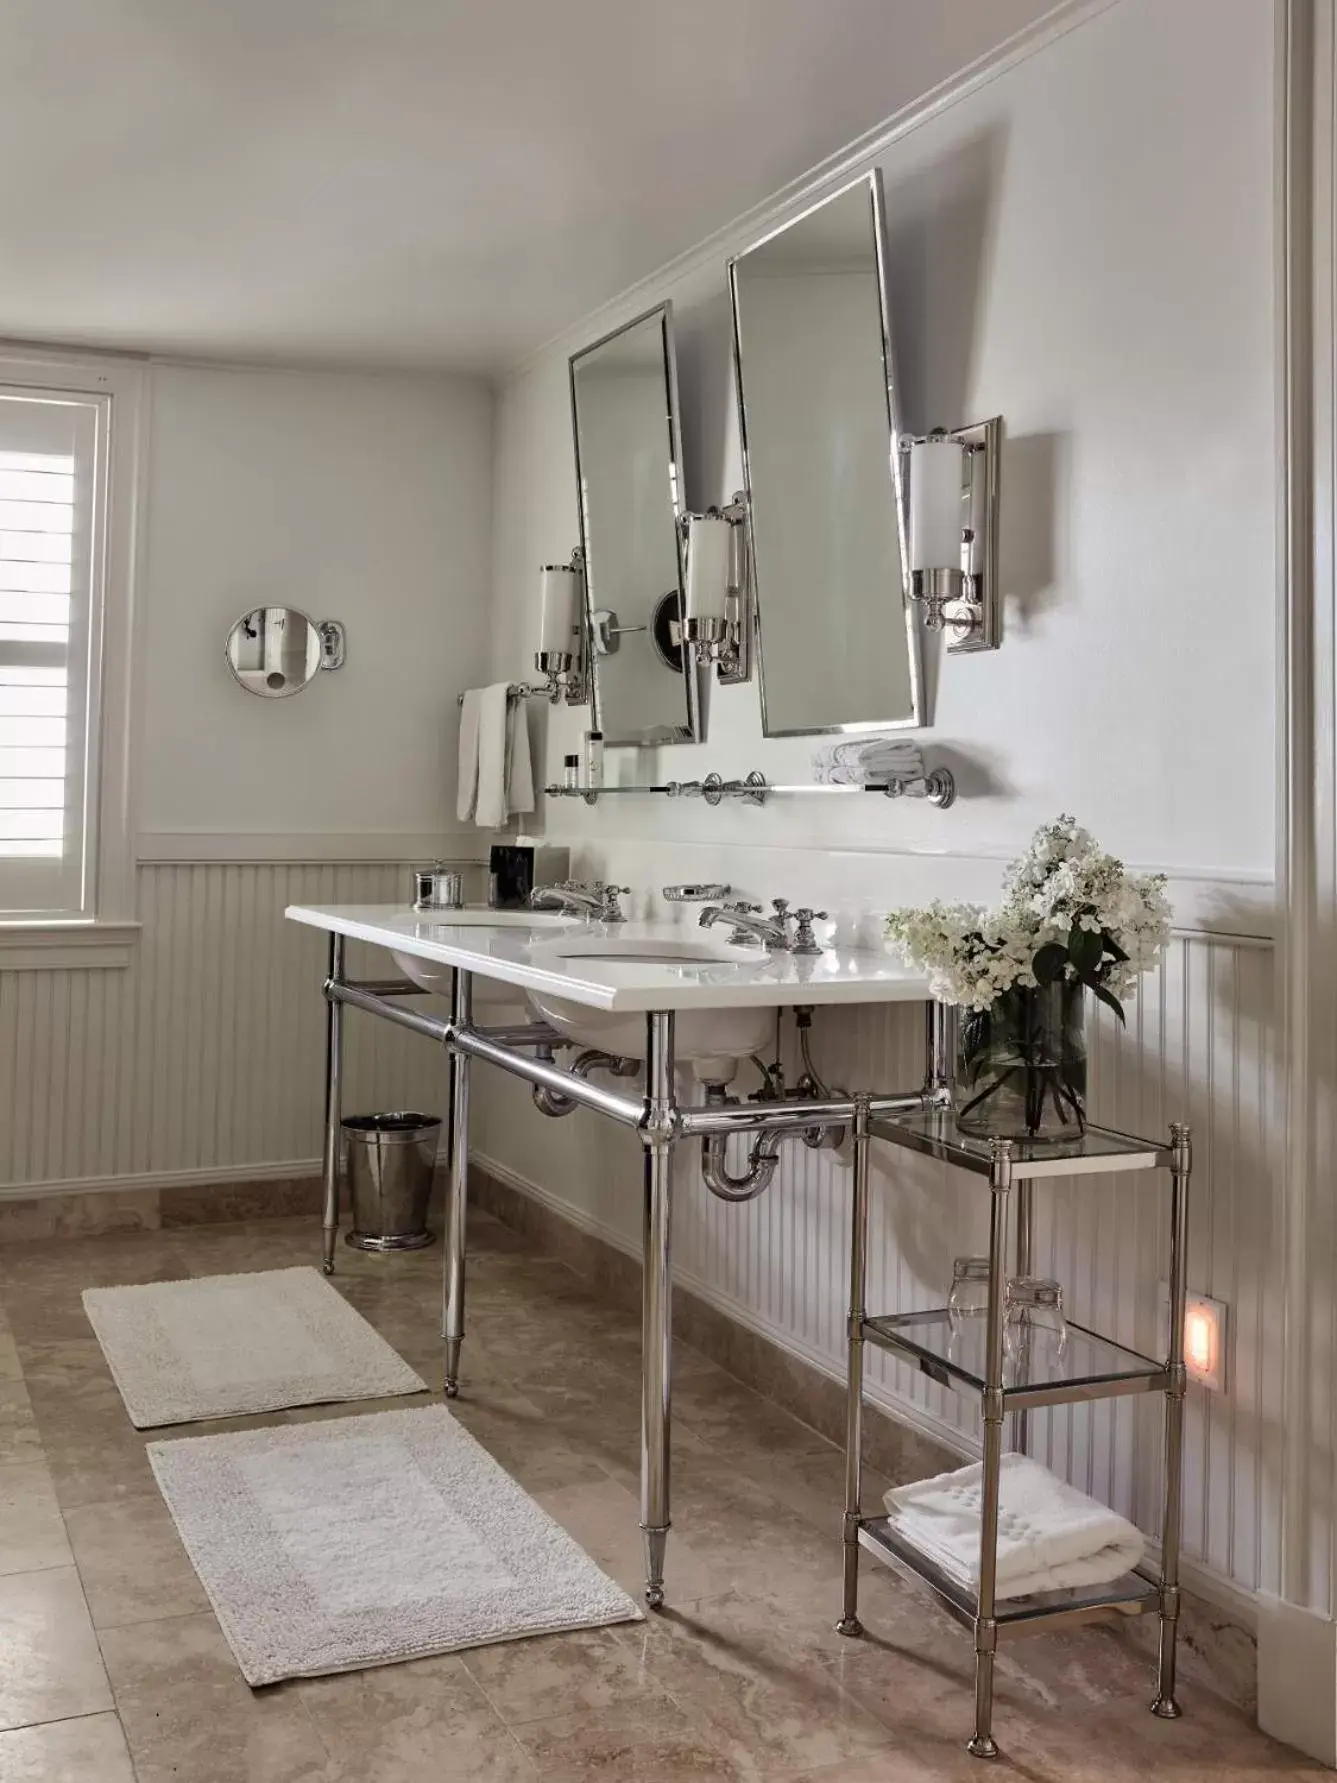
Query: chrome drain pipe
point(554, 1103)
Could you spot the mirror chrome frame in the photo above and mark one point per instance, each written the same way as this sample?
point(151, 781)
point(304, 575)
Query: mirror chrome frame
point(919, 716)
point(691, 731)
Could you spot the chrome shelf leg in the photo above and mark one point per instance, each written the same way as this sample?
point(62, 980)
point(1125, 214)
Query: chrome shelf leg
point(849, 1623)
point(1164, 1703)
point(983, 1744)
point(457, 1189)
point(1025, 1194)
point(334, 1060)
point(656, 1302)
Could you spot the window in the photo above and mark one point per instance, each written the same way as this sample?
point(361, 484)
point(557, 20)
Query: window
point(66, 529)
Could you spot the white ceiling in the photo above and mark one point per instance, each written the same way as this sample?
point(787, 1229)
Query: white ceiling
point(414, 182)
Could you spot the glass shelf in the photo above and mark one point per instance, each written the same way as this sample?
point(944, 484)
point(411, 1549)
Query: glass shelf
point(1135, 1593)
point(935, 1133)
point(1089, 1367)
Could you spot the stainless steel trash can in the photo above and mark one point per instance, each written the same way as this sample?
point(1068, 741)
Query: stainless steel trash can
point(390, 1159)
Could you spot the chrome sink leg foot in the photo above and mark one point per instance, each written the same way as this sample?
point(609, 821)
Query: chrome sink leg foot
point(656, 1301)
point(457, 1189)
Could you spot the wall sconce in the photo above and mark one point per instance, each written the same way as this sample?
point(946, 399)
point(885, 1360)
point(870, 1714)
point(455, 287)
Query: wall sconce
point(562, 657)
point(716, 625)
point(954, 532)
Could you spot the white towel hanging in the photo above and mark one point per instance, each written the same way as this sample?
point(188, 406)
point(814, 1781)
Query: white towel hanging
point(519, 762)
point(467, 796)
point(490, 804)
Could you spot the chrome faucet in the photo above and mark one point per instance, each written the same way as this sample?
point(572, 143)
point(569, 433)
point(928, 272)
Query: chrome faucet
point(748, 925)
point(595, 900)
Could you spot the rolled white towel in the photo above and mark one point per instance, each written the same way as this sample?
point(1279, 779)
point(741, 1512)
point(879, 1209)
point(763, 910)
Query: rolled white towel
point(857, 761)
point(1051, 1537)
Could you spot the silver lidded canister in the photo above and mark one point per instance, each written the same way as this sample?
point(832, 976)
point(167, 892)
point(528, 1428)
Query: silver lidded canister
point(437, 888)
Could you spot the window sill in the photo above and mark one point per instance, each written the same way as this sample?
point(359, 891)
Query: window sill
point(66, 946)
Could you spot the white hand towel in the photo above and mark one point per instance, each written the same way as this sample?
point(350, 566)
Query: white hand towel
point(519, 762)
point(467, 796)
point(490, 805)
point(1051, 1537)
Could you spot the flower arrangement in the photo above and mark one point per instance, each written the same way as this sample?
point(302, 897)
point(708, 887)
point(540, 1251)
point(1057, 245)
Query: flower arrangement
point(1072, 919)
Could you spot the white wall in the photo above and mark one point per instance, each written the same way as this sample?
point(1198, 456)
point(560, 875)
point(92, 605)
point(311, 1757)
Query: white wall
point(359, 498)
point(1085, 244)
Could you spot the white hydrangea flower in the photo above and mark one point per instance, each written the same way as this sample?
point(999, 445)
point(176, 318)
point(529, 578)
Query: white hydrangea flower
point(1063, 883)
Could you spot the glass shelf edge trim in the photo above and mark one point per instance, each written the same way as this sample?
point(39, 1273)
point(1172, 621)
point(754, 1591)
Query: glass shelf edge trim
point(934, 1133)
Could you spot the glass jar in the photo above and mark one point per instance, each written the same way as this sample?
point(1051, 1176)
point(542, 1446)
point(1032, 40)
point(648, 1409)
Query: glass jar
point(1021, 1065)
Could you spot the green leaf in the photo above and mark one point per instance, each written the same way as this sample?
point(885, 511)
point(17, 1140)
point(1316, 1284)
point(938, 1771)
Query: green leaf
point(1049, 962)
point(1084, 950)
point(1109, 999)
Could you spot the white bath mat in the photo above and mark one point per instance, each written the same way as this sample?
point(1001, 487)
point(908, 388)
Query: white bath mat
point(329, 1546)
point(222, 1345)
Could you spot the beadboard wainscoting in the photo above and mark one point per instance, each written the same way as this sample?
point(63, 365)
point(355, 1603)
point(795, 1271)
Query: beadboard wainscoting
point(1198, 1047)
point(203, 1059)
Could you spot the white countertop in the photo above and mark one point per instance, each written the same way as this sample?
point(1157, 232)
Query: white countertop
point(740, 979)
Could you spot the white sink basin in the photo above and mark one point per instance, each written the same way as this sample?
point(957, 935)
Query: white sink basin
point(711, 1040)
point(489, 993)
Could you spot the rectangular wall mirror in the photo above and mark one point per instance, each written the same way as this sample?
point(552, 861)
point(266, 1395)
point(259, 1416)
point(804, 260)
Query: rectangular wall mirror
point(838, 640)
point(624, 408)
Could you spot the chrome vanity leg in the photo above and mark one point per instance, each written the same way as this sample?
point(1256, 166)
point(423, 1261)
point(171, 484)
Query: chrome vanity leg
point(334, 1060)
point(457, 1187)
point(656, 1302)
point(1021, 1423)
point(849, 1619)
point(1164, 1703)
point(983, 1744)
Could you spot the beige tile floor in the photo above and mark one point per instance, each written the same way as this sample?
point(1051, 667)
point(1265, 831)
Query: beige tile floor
point(113, 1668)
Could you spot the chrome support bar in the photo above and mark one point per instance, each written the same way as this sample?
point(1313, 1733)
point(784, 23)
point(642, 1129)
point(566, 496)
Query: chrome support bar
point(334, 1057)
point(792, 1115)
point(849, 1623)
point(656, 1301)
point(982, 1743)
point(1165, 1703)
point(431, 1027)
point(386, 987)
point(457, 1185)
point(590, 1095)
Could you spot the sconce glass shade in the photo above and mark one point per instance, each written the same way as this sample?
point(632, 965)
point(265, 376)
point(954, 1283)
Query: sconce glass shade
point(936, 523)
point(559, 619)
point(709, 551)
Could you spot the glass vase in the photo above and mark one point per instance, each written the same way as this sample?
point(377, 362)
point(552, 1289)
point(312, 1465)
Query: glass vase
point(1021, 1066)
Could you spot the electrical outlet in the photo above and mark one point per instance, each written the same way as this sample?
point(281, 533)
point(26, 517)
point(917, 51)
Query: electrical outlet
point(1206, 1326)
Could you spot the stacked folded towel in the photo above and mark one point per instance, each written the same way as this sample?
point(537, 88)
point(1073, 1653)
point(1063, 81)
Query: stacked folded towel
point(859, 760)
point(1051, 1537)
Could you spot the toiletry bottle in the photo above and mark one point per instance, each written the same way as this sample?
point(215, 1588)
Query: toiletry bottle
point(571, 773)
point(594, 760)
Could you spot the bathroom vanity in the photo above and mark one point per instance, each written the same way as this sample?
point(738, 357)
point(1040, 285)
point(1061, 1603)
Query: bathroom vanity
point(642, 999)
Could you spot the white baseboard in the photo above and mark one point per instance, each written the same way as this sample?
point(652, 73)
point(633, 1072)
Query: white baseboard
point(1297, 1678)
point(1236, 1601)
point(159, 1179)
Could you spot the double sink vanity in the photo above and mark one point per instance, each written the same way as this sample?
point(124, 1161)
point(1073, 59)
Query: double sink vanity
point(634, 1001)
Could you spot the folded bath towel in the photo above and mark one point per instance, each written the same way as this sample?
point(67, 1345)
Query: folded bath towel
point(1051, 1537)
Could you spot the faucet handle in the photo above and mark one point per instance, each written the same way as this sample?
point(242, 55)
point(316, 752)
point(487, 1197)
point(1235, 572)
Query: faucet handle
point(781, 909)
point(804, 940)
point(742, 904)
point(612, 910)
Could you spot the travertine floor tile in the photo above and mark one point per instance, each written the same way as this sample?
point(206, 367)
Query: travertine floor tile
point(646, 1744)
point(190, 1718)
point(50, 1666)
point(131, 1561)
point(19, 1440)
point(402, 1723)
point(88, 1749)
point(588, 1670)
point(32, 1530)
